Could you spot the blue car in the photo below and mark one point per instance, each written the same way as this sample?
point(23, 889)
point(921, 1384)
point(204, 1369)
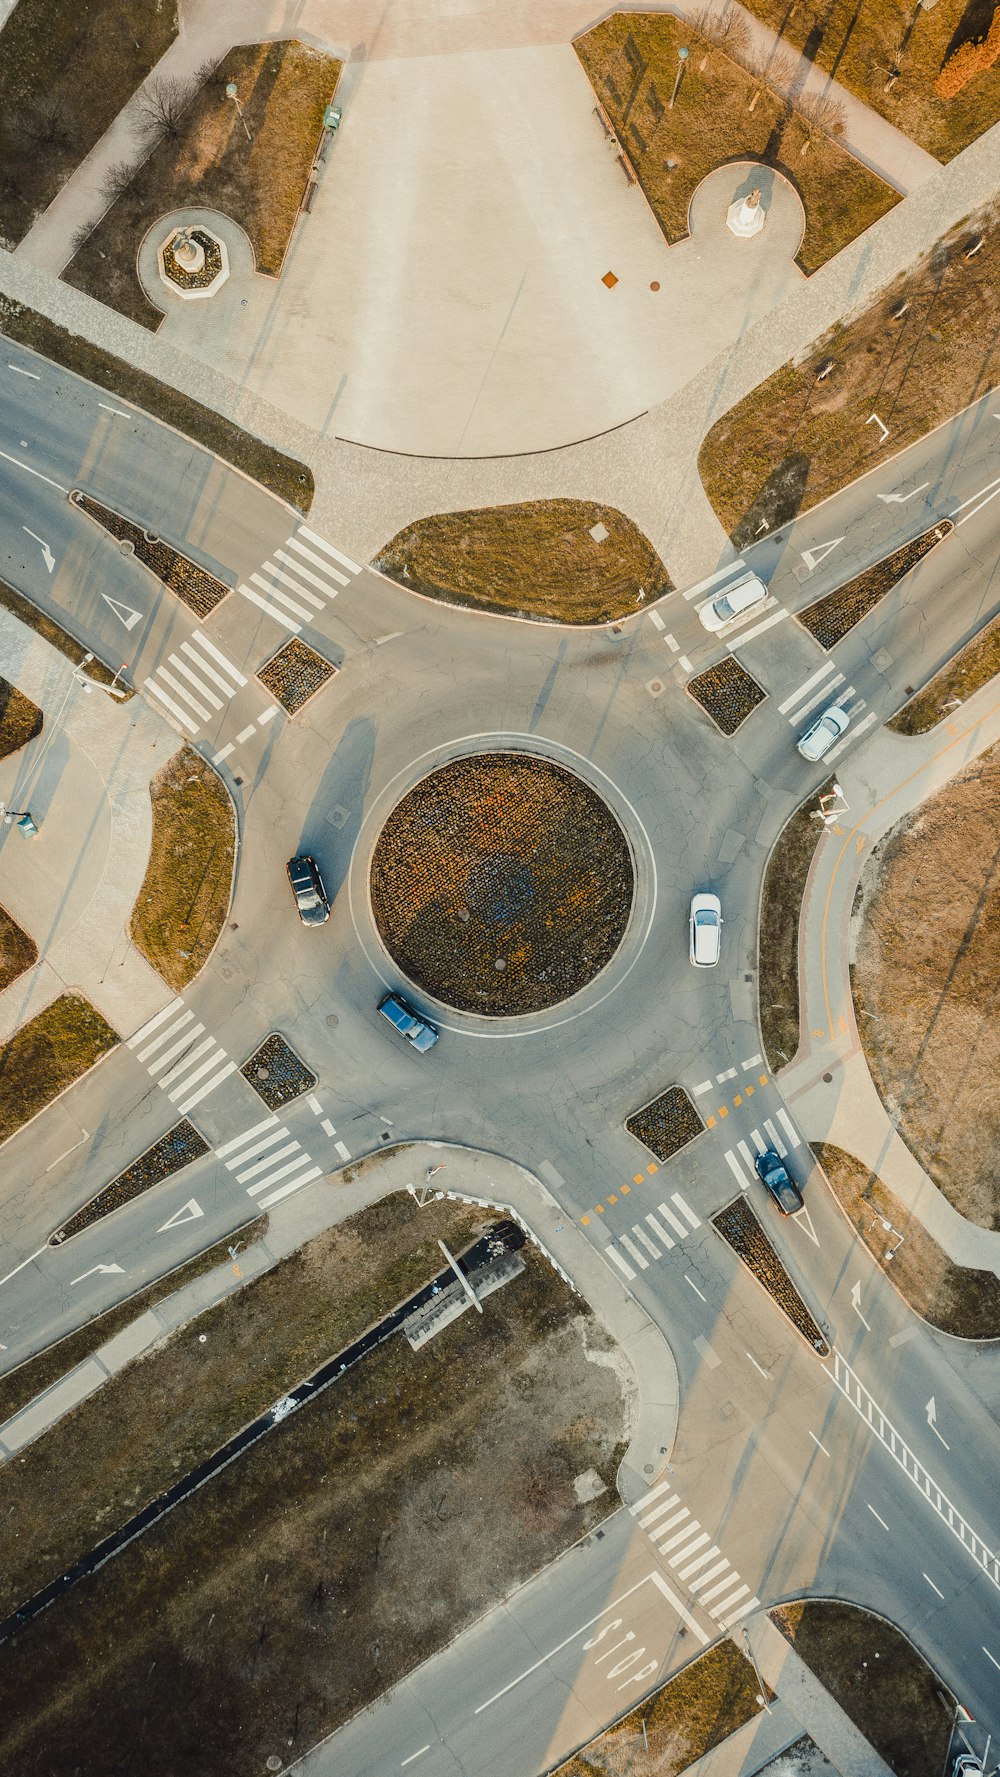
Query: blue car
point(774, 1175)
point(409, 1024)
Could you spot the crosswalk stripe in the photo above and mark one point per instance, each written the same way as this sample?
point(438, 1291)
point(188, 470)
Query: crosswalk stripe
point(665, 1505)
point(283, 598)
point(179, 715)
point(788, 1126)
point(255, 599)
point(805, 688)
point(662, 1529)
point(187, 1062)
point(209, 646)
point(820, 697)
point(686, 1572)
point(775, 1137)
point(327, 548)
point(758, 1141)
point(620, 1262)
point(310, 555)
point(719, 1609)
point(721, 1586)
point(851, 736)
point(342, 1151)
point(293, 585)
point(170, 1055)
point(292, 1147)
point(706, 1086)
point(654, 1493)
point(153, 1023)
point(165, 1035)
point(294, 1184)
point(203, 1091)
point(751, 1061)
point(661, 1233)
point(745, 1151)
point(656, 619)
point(675, 1221)
point(314, 579)
point(266, 1141)
point(734, 1167)
point(748, 635)
point(685, 1209)
point(842, 696)
point(633, 1251)
point(181, 666)
point(279, 1173)
point(744, 1610)
point(229, 1147)
point(720, 1567)
point(682, 1554)
point(226, 686)
point(640, 1234)
point(680, 1536)
point(727, 573)
point(182, 691)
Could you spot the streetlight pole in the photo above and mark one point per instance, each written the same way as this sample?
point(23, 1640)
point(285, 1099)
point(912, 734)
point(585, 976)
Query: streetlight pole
point(682, 56)
point(232, 92)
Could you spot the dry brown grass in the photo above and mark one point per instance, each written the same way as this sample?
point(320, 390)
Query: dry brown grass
point(17, 951)
point(536, 559)
point(402, 1502)
point(865, 42)
point(20, 719)
point(927, 985)
point(962, 1302)
point(778, 942)
point(969, 670)
point(631, 61)
point(791, 441)
point(283, 89)
point(46, 1055)
point(878, 1678)
point(184, 898)
point(693, 1712)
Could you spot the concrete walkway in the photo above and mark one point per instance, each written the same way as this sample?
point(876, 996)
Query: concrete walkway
point(828, 1082)
point(85, 780)
point(469, 1176)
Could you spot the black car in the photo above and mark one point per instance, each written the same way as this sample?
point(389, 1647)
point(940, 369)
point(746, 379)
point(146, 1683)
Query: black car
point(307, 887)
point(783, 1189)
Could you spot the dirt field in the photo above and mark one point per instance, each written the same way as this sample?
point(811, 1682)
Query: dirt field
point(337, 1553)
point(185, 893)
point(927, 985)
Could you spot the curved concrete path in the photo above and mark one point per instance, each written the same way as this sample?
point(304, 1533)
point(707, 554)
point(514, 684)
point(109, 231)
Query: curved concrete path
point(886, 778)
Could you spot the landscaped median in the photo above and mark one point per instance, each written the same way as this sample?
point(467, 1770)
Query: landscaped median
point(833, 617)
point(778, 932)
point(741, 1230)
point(186, 579)
point(558, 561)
point(666, 1124)
point(46, 1055)
point(184, 899)
point(20, 719)
point(727, 693)
point(965, 674)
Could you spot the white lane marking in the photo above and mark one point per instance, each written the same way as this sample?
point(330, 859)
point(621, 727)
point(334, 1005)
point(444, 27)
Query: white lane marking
point(223, 753)
point(21, 372)
point(229, 1147)
point(851, 736)
point(805, 1222)
point(118, 412)
point(684, 662)
point(730, 1074)
point(706, 1086)
point(296, 1184)
point(933, 1587)
point(245, 734)
point(875, 1515)
point(627, 1270)
point(734, 1167)
point(818, 1445)
point(989, 1656)
point(748, 635)
point(975, 509)
point(819, 552)
point(901, 499)
point(640, 1234)
point(327, 1128)
point(342, 1151)
point(675, 1221)
point(656, 619)
point(779, 1145)
point(179, 715)
point(673, 644)
point(789, 1127)
point(804, 690)
point(661, 1233)
point(255, 599)
point(685, 1209)
point(418, 1754)
point(726, 573)
point(757, 1366)
point(666, 1505)
point(751, 1061)
point(327, 548)
point(314, 1105)
point(694, 1286)
point(820, 697)
point(35, 472)
point(633, 1252)
point(266, 1141)
point(152, 1023)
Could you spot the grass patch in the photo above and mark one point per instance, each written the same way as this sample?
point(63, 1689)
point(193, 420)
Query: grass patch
point(176, 1149)
point(534, 559)
point(727, 693)
point(46, 1055)
point(778, 939)
point(926, 943)
point(20, 719)
point(186, 579)
point(284, 476)
point(295, 674)
point(863, 44)
point(17, 951)
point(792, 441)
point(831, 618)
point(53, 633)
point(683, 1720)
point(970, 669)
point(65, 73)
point(951, 1297)
point(184, 898)
point(206, 162)
point(666, 1124)
point(38, 1373)
point(741, 1230)
point(404, 1501)
point(631, 62)
point(878, 1678)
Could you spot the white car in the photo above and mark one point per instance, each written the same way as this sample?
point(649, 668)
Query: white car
point(706, 930)
point(827, 728)
point(746, 595)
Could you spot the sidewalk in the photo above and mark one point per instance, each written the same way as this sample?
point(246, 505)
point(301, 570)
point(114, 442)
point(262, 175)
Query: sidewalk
point(886, 778)
point(469, 1175)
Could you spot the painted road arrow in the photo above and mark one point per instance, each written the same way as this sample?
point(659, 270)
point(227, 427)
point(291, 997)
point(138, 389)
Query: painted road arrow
point(856, 1304)
point(813, 557)
point(124, 613)
point(932, 1419)
point(190, 1213)
point(93, 1270)
point(48, 557)
point(901, 499)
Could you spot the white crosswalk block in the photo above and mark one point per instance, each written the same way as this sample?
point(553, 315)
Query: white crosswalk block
point(633, 1252)
point(685, 1208)
point(728, 573)
point(797, 697)
point(789, 1127)
point(776, 1141)
point(189, 687)
point(822, 696)
point(851, 736)
point(699, 1564)
point(242, 1154)
point(328, 549)
point(300, 578)
point(177, 1054)
point(674, 1220)
point(735, 1168)
point(641, 1235)
point(666, 1242)
point(749, 635)
point(661, 1233)
point(151, 1024)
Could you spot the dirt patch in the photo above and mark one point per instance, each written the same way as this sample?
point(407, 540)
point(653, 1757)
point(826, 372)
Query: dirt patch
point(185, 894)
point(295, 674)
point(926, 981)
point(17, 951)
point(276, 1073)
point(727, 693)
point(741, 1230)
point(176, 1149)
point(404, 1501)
point(925, 349)
point(970, 669)
point(960, 1301)
point(878, 1678)
point(890, 54)
point(65, 73)
point(723, 112)
point(501, 884)
point(46, 1055)
point(667, 1124)
point(20, 719)
point(186, 579)
point(831, 618)
point(204, 160)
point(537, 559)
point(693, 1712)
point(778, 941)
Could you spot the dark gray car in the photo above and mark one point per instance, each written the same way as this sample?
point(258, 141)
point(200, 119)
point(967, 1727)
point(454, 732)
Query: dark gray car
point(307, 886)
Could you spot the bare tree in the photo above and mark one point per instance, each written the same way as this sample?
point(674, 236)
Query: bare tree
point(726, 28)
point(162, 104)
point(116, 182)
point(824, 111)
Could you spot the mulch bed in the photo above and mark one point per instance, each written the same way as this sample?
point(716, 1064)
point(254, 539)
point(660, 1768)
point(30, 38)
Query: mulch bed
point(727, 693)
point(276, 1073)
point(176, 1149)
point(831, 618)
point(20, 719)
point(199, 589)
point(667, 1124)
point(501, 884)
point(295, 674)
point(742, 1231)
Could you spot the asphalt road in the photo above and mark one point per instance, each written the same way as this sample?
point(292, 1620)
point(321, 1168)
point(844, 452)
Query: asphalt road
point(787, 1466)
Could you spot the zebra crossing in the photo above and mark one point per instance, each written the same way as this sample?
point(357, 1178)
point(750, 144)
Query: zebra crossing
point(270, 1139)
point(195, 682)
point(664, 1228)
point(298, 580)
point(826, 687)
point(698, 1563)
point(176, 1053)
point(740, 1160)
point(751, 623)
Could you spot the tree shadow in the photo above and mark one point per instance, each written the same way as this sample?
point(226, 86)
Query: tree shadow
point(777, 503)
point(972, 27)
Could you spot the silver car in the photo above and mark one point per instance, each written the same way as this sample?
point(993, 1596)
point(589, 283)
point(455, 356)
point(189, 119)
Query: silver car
point(744, 596)
point(827, 728)
point(705, 928)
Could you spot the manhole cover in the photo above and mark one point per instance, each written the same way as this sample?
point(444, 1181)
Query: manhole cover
point(125, 547)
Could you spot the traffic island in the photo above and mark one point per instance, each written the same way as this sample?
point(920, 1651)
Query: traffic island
point(175, 1150)
point(966, 673)
point(778, 932)
point(666, 1124)
point(48, 1054)
point(501, 884)
point(727, 693)
point(184, 899)
point(833, 617)
point(294, 675)
point(557, 561)
point(276, 1073)
point(187, 579)
point(741, 1230)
